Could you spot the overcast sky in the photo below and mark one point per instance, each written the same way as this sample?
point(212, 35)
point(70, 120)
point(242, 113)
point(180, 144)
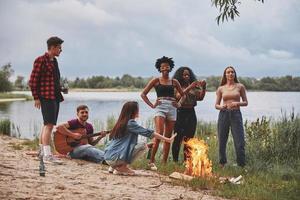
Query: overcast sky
point(115, 37)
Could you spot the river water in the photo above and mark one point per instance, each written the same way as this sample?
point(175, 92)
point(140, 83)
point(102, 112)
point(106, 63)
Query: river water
point(27, 120)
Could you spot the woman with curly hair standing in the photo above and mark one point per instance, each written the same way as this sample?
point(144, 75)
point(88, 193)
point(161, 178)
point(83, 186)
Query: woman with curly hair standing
point(186, 121)
point(165, 105)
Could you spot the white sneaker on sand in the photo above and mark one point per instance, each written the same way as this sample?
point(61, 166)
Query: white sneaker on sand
point(110, 170)
point(152, 167)
point(50, 159)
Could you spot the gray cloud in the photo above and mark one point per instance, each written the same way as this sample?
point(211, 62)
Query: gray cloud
point(114, 37)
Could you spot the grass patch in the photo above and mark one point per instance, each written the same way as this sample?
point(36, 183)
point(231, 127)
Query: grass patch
point(8, 95)
point(261, 185)
point(16, 146)
point(5, 126)
point(272, 171)
point(279, 183)
point(31, 144)
point(27, 144)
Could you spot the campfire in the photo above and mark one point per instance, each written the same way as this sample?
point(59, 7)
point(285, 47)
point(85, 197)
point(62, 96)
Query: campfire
point(197, 163)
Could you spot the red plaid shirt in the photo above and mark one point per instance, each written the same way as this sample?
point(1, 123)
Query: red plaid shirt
point(41, 80)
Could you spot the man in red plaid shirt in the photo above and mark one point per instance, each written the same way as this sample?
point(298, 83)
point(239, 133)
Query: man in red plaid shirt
point(45, 87)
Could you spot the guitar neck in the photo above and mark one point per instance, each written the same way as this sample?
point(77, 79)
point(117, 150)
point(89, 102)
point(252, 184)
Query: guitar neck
point(91, 135)
point(94, 134)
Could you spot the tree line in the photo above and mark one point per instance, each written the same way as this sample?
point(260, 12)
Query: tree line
point(284, 83)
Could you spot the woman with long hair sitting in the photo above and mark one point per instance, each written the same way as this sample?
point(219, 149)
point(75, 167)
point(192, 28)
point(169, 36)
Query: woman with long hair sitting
point(123, 148)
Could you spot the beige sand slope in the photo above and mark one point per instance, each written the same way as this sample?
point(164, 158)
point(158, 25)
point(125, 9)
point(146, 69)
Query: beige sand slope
point(19, 179)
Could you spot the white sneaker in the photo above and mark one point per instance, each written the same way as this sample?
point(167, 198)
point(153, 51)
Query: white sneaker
point(152, 167)
point(110, 170)
point(50, 159)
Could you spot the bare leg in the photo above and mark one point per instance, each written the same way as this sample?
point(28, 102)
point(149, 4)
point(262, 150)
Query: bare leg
point(41, 135)
point(168, 133)
point(159, 128)
point(46, 135)
point(46, 138)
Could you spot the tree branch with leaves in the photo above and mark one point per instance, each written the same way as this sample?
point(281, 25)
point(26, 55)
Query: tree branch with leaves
point(228, 9)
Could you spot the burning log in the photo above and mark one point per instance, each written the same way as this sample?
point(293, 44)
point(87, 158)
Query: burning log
point(197, 163)
point(177, 175)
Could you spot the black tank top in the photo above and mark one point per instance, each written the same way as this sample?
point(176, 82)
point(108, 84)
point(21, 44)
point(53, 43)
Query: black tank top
point(164, 90)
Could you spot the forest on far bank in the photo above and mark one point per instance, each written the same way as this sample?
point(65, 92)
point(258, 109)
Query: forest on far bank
point(283, 83)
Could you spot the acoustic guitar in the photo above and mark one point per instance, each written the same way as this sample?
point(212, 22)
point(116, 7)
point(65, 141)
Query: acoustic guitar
point(65, 144)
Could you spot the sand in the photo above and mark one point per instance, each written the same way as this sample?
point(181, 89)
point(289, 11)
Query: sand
point(76, 179)
point(12, 99)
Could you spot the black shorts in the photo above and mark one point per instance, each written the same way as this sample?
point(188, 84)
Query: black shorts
point(50, 109)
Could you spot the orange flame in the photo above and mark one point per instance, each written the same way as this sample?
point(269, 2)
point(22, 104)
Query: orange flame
point(197, 163)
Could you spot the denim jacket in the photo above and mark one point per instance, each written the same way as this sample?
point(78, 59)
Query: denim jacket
point(122, 148)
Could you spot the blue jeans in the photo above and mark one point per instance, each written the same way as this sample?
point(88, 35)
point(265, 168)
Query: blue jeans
point(231, 119)
point(88, 152)
point(138, 150)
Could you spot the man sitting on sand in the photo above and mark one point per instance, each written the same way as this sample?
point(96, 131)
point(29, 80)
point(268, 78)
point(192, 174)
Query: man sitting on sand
point(82, 151)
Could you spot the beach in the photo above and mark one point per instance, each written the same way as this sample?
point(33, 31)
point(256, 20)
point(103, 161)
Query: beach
point(76, 179)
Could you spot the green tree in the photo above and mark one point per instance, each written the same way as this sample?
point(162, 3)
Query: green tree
point(127, 81)
point(285, 83)
point(213, 82)
point(78, 83)
point(20, 83)
point(249, 83)
point(228, 9)
point(268, 84)
point(5, 73)
point(94, 81)
point(295, 84)
point(116, 82)
point(139, 82)
point(106, 82)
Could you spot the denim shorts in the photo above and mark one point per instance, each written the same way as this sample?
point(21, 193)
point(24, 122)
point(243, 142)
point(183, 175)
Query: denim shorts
point(166, 110)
